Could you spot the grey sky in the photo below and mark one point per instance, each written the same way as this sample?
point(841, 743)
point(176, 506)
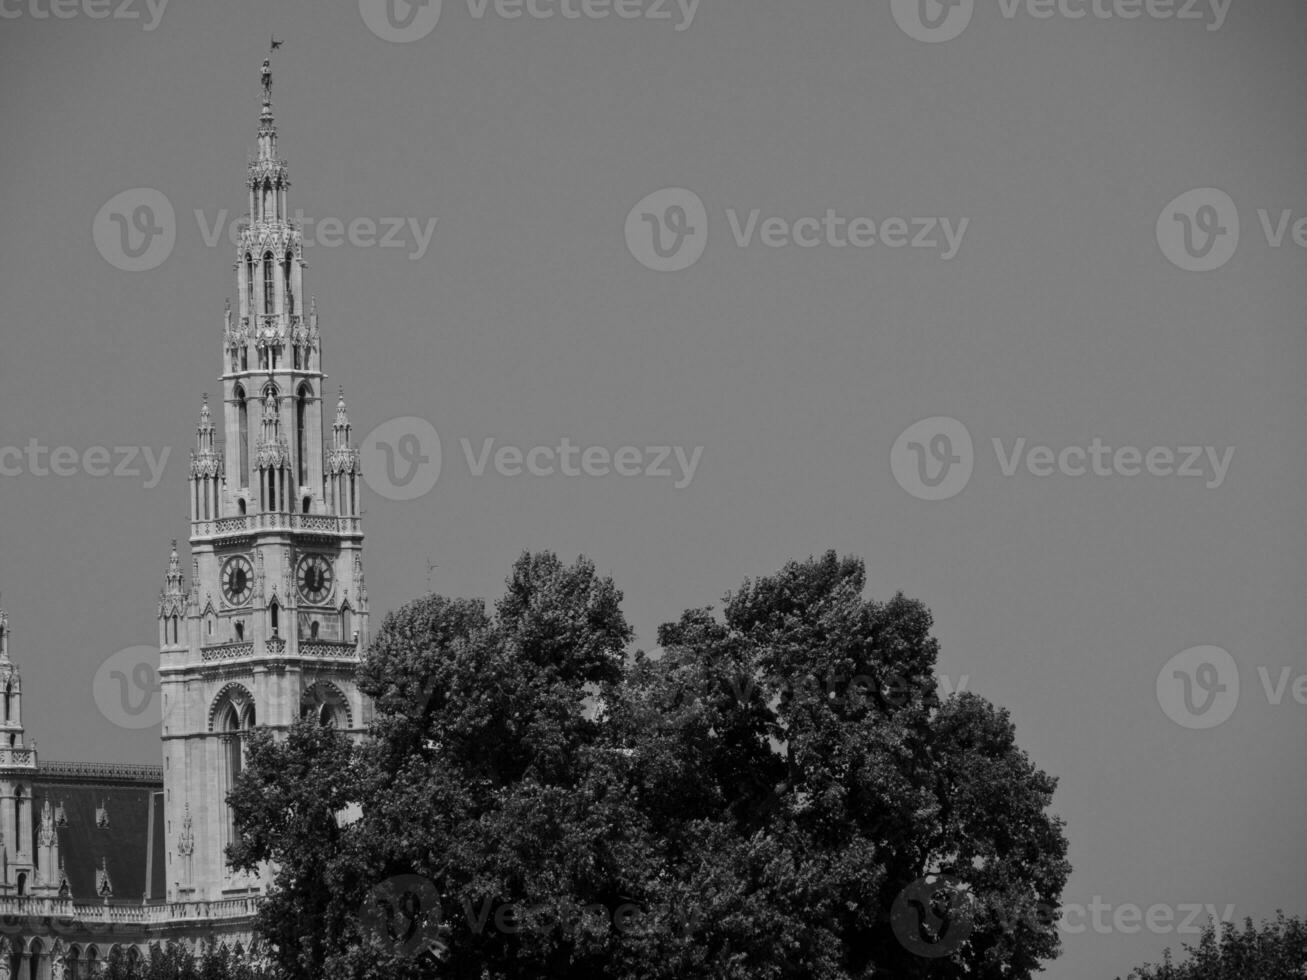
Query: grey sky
point(528, 321)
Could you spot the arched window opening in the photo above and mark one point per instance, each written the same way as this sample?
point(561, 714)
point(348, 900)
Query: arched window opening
point(308, 502)
point(22, 883)
point(243, 452)
point(20, 811)
point(9, 693)
point(290, 293)
point(346, 624)
point(302, 433)
point(38, 967)
point(325, 705)
point(240, 631)
point(268, 287)
point(240, 506)
point(274, 615)
point(249, 283)
point(235, 720)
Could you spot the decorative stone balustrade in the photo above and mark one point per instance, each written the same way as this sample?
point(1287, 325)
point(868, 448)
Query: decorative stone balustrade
point(249, 523)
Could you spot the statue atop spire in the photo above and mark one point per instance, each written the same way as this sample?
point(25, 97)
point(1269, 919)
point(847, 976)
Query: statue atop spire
point(266, 115)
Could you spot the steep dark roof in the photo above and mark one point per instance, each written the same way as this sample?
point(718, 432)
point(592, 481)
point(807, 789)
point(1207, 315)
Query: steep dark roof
point(128, 841)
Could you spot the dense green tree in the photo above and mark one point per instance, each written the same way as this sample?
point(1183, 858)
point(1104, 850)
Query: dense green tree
point(767, 798)
point(174, 961)
point(1276, 950)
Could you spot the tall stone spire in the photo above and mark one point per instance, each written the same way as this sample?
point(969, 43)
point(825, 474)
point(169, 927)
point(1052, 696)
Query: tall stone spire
point(173, 600)
point(276, 540)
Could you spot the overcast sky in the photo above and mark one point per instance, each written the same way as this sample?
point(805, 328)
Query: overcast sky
point(1033, 160)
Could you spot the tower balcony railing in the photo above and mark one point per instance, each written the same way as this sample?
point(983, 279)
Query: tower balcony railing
point(12, 756)
point(275, 521)
point(94, 914)
point(315, 649)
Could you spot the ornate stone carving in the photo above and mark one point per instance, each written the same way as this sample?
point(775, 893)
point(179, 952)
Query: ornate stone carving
point(186, 840)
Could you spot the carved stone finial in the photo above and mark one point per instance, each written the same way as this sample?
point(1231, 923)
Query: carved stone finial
point(103, 886)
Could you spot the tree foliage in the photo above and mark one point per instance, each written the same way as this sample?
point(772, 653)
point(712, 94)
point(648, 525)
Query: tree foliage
point(174, 961)
point(1276, 950)
point(749, 804)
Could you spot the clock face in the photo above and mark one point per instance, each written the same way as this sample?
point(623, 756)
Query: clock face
point(237, 580)
point(314, 578)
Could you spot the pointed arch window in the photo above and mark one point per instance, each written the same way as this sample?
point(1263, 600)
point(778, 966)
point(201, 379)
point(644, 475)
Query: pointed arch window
point(243, 423)
point(249, 283)
point(290, 293)
point(302, 431)
point(235, 719)
point(20, 811)
point(269, 293)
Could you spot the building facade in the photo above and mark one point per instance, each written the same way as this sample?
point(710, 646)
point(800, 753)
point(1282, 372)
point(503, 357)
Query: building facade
point(269, 629)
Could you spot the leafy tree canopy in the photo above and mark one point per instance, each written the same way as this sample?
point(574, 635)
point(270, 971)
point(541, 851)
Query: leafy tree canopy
point(1276, 950)
point(781, 793)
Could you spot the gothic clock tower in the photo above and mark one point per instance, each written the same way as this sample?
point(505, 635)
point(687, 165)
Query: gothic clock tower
point(276, 616)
